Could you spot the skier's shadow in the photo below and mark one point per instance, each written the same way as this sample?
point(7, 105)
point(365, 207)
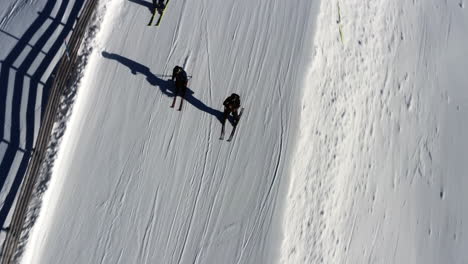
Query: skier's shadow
point(144, 3)
point(167, 87)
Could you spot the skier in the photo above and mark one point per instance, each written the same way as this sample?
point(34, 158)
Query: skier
point(179, 77)
point(231, 105)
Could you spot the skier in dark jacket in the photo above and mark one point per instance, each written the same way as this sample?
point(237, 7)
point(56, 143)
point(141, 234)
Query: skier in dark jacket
point(179, 77)
point(231, 106)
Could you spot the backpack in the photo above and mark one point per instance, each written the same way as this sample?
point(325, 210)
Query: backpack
point(233, 101)
point(180, 75)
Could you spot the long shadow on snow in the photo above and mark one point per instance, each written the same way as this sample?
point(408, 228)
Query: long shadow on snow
point(143, 3)
point(21, 85)
point(167, 87)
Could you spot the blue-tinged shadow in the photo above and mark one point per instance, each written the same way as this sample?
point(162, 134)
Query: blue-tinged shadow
point(167, 87)
point(145, 4)
point(32, 51)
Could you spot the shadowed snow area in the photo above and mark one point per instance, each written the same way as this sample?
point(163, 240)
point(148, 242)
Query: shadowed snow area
point(32, 36)
point(380, 169)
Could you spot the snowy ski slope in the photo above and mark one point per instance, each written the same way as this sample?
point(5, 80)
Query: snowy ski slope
point(367, 156)
point(138, 182)
point(382, 159)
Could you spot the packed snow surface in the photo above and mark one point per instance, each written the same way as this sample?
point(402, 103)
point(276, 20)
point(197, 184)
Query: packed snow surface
point(360, 161)
point(139, 182)
point(382, 156)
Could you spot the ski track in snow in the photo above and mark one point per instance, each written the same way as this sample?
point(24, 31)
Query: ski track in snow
point(136, 181)
point(13, 9)
point(382, 150)
point(377, 175)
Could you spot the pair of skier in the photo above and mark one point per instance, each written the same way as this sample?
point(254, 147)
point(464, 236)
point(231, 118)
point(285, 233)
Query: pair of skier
point(231, 104)
point(179, 77)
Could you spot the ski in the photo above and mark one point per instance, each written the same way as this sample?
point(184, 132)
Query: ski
point(173, 102)
point(235, 126)
point(181, 101)
point(182, 97)
point(232, 134)
point(222, 132)
point(152, 18)
point(161, 13)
